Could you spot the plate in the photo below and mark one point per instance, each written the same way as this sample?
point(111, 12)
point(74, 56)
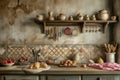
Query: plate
point(8, 64)
point(36, 70)
point(68, 31)
point(9, 67)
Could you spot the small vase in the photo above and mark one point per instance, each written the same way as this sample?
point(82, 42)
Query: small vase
point(110, 57)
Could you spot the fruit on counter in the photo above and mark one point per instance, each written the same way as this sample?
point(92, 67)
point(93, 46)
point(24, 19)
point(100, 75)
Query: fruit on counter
point(7, 61)
point(91, 61)
point(50, 61)
point(100, 60)
point(38, 65)
point(84, 65)
point(68, 63)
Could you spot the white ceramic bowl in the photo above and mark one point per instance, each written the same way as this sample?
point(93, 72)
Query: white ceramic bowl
point(8, 64)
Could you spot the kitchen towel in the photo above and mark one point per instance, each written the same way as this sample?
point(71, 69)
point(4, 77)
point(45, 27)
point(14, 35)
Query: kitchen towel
point(105, 66)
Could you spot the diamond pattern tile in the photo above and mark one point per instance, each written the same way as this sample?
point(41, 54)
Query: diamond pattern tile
point(86, 52)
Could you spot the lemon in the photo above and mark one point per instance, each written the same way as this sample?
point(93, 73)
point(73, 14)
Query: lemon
point(100, 60)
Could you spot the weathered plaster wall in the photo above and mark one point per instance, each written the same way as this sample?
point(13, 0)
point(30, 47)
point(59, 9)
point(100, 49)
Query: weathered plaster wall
point(117, 12)
point(17, 25)
point(117, 28)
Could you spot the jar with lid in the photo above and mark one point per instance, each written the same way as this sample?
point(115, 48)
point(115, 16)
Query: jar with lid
point(62, 16)
point(103, 15)
point(71, 18)
point(79, 16)
point(50, 16)
point(40, 17)
point(93, 17)
point(77, 57)
point(87, 17)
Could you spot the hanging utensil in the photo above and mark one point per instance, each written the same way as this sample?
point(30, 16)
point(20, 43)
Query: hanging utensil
point(61, 31)
point(54, 33)
point(57, 33)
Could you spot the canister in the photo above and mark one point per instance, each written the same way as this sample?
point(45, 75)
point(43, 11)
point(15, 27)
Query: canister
point(110, 57)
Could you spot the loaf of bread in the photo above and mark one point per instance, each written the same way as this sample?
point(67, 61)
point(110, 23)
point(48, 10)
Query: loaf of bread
point(68, 63)
point(38, 65)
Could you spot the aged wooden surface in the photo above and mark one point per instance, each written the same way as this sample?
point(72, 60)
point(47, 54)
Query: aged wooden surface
point(59, 70)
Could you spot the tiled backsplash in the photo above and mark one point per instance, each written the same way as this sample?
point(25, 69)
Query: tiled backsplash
point(85, 52)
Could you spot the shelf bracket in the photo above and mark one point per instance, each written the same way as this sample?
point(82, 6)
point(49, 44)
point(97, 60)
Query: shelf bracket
point(44, 25)
point(105, 27)
point(82, 29)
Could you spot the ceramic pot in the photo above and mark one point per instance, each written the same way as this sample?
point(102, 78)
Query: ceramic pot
point(93, 17)
point(79, 17)
point(110, 57)
point(40, 17)
point(87, 17)
point(50, 13)
point(62, 16)
point(103, 15)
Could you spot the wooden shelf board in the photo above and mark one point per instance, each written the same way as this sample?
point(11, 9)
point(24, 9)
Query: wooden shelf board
point(78, 21)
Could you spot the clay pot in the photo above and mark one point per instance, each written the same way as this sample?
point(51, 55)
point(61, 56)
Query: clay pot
point(79, 16)
point(87, 17)
point(103, 15)
point(62, 16)
point(93, 17)
point(50, 16)
point(40, 17)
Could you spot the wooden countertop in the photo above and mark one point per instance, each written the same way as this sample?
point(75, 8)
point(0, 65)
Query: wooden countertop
point(57, 70)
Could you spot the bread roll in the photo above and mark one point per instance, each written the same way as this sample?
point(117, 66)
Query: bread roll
point(37, 65)
point(31, 66)
point(43, 65)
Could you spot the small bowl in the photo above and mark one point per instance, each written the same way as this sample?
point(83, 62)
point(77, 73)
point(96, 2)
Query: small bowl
point(113, 17)
point(8, 64)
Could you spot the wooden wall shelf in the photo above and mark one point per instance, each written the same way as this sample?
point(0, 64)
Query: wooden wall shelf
point(89, 23)
point(74, 22)
point(82, 23)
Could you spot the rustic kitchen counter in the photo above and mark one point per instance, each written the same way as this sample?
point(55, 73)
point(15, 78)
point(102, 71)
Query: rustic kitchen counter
point(57, 70)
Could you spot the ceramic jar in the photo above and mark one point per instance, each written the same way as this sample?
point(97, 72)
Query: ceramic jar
point(77, 58)
point(51, 17)
point(93, 17)
point(87, 17)
point(62, 16)
point(40, 17)
point(113, 17)
point(79, 16)
point(71, 18)
point(110, 57)
point(103, 15)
